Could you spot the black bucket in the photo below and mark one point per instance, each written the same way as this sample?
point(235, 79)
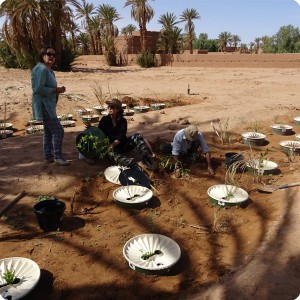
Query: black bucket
point(49, 214)
point(233, 157)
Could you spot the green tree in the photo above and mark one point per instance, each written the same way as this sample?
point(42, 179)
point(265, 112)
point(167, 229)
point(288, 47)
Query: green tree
point(86, 11)
point(127, 32)
point(30, 24)
point(83, 43)
point(142, 13)
point(108, 15)
point(224, 37)
point(287, 39)
point(257, 44)
point(204, 43)
point(169, 34)
point(235, 39)
point(188, 16)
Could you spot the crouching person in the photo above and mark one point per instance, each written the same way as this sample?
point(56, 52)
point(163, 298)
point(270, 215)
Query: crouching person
point(186, 142)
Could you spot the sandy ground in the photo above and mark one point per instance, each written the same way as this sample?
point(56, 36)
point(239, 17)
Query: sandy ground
point(256, 257)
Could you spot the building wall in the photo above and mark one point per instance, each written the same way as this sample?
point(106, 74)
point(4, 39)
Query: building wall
point(214, 60)
point(133, 45)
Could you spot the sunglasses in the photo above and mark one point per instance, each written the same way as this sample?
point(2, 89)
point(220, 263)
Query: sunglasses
point(50, 54)
point(111, 106)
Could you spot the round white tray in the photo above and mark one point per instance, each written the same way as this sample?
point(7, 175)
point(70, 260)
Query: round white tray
point(225, 194)
point(253, 135)
point(112, 174)
point(35, 129)
point(281, 127)
point(35, 122)
point(84, 111)
point(136, 251)
point(129, 112)
point(65, 117)
point(6, 126)
point(26, 270)
point(132, 195)
point(90, 118)
point(157, 106)
point(141, 108)
point(297, 120)
point(100, 108)
point(290, 145)
point(6, 133)
point(67, 123)
point(262, 166)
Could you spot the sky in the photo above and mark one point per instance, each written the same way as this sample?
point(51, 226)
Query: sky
point(248, 19)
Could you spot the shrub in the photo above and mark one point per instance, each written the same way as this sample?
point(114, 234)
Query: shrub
point(146, 59)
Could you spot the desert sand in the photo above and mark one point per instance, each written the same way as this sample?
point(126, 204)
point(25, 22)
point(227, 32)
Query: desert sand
point(249, 252)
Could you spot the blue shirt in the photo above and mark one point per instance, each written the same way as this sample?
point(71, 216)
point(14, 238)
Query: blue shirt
point(43, 82)
point(181, 144)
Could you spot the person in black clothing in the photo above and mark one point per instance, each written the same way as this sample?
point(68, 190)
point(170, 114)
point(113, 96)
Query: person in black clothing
point(114, 126)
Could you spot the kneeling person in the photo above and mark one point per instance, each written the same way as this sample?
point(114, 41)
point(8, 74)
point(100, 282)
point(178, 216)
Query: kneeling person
point(186, 142)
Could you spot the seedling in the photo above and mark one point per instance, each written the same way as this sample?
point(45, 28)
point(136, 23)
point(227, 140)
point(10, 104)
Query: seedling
point(228, 196)
point(256, 126)
point(44, 197)
point(9, 275)
point(147, 255)
point(222, 131)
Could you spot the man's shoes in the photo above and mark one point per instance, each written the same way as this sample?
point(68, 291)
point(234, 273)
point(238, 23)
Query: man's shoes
point(49, 161)
point(148, 163)
point(61, 162)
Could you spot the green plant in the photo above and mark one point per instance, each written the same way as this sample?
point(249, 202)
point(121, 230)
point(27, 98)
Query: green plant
point(147, 255)
point(256, 127)
point(90, 142)
point(9, 275)
point(146, 59)
point(262, 157)
point(44, 197)
point(65, 117)
point(88, 179)
point(221, 130)
point(184, 172)
point(168, 162)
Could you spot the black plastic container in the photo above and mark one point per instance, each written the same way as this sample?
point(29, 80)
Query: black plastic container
point(232, 158)
point(49, 214)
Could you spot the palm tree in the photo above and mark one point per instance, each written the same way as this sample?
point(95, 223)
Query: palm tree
point(73, 28)
point(108, 15)
point(235, 40)
point(83, 43)
point(142, 13)
point(257, 44)
point(168, 32)
point(224, 38)
point(188, 16)
point(127, 32)
point(30, 24)
point(96, 28)
point(86, 11)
